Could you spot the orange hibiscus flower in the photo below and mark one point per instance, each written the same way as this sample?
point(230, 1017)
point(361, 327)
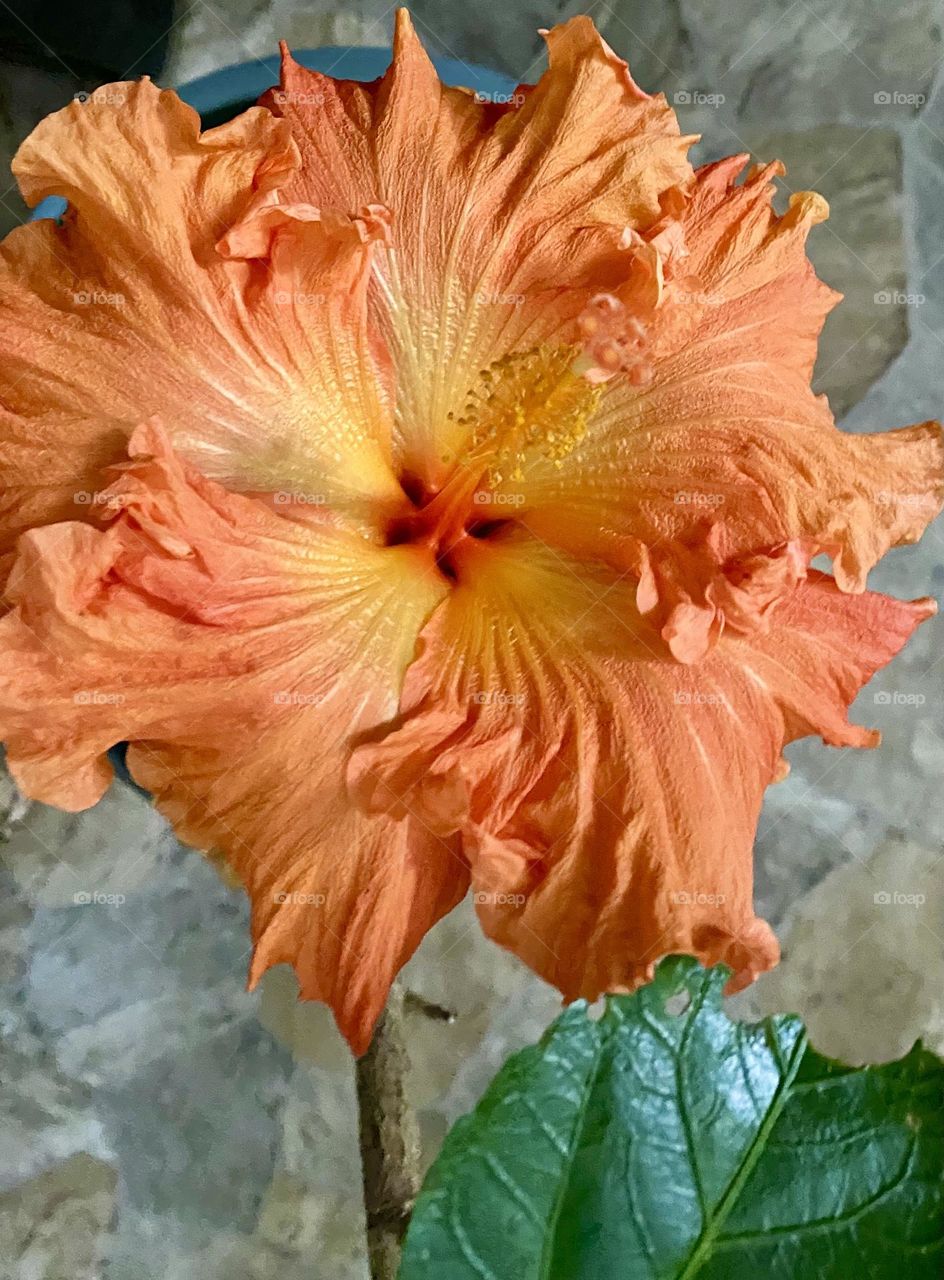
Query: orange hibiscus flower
point(426, 490)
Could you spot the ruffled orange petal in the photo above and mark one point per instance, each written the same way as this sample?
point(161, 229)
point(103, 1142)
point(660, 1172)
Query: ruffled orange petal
point(504, 218)
point(258, 362)
point(607, 796)
point(693, 592)
point(240, 653)
point(724, 423)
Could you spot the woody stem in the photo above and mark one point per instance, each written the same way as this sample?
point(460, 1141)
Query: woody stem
point(389, 1140)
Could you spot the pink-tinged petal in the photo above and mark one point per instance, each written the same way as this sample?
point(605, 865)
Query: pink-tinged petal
point(241, 654)
point(724, 422)
point(258, 363)
point(607, 796)
point(504, 218)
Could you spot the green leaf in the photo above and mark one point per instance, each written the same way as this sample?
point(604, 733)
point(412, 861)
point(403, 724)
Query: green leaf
point(658, 1145)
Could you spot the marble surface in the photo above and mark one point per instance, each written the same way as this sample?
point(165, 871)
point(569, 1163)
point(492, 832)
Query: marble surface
point(159, 1123)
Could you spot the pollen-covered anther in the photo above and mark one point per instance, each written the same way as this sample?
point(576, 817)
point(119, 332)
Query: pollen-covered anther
point(613, 342)
point(528, 404)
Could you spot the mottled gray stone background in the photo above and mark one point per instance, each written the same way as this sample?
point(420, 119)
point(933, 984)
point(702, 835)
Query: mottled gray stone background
point(156, 1122)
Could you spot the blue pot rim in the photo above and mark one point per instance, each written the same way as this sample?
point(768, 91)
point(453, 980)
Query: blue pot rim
point(246, 81)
